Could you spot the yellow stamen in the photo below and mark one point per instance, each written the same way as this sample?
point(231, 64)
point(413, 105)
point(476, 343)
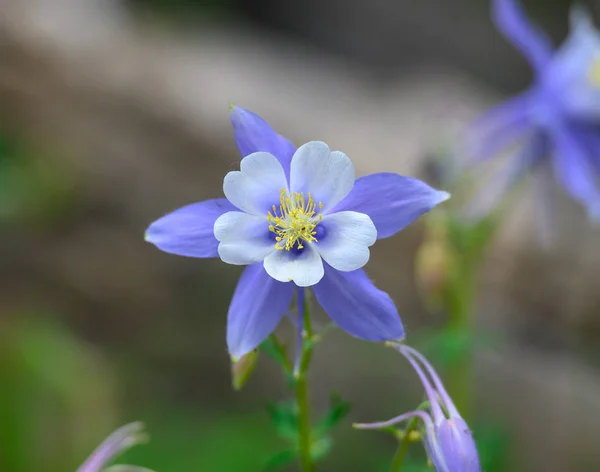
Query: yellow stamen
point(296, 220)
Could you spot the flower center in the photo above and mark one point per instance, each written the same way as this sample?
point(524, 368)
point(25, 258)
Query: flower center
point(296, 220)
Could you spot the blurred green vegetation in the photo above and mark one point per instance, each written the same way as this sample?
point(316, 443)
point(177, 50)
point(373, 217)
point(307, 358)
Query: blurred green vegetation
point(35, 190)
point(62, 396)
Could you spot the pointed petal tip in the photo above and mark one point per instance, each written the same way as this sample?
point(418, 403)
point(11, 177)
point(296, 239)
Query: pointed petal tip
point(236, 113)
point(442, 197)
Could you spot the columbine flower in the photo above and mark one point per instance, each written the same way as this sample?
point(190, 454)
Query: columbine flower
point(118, 442)
point(557, 117)
point(297, 217)
point(446, 436)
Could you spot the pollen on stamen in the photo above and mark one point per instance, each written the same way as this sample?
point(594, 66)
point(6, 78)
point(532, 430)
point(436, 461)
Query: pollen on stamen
point(295, 223)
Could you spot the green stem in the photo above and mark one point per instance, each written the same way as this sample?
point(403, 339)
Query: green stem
point(280, 348)
point(304, 429)
point(403, 447)
point(460, 320)
point(304, 426)
point(460, 300)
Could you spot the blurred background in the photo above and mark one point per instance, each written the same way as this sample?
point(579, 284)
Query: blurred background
point(115, 112)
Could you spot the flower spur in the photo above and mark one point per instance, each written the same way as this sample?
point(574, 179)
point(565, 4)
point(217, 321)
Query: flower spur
point(446, 436)
point(118, 442)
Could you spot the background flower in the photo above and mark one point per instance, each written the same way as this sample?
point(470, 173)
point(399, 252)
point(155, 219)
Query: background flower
point(555, 120)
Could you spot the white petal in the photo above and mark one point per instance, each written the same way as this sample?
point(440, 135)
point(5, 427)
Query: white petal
point(243, 238)
point(257, 185)
point(328, 176)
point(305, 269)
point(346, 240)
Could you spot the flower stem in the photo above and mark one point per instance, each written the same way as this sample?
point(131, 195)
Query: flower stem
point(304, 429)
point(461, 317)
point(304, 426)
point(403, 447)
point(301, 370)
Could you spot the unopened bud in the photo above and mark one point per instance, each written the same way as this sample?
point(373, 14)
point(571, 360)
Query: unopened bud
point(434, 262)
point(242, 368)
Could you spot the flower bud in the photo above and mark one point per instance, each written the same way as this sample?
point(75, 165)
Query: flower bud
point(435, 260)
point(242, 368)
point(457, 445)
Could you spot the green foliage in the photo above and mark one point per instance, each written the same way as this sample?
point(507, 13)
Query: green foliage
point(284, 416)
point(273, 348)
point(470, 239)
point(186, 439)
point(338, 410)
point(493, 443)
point(281, 459)
point(54, 388)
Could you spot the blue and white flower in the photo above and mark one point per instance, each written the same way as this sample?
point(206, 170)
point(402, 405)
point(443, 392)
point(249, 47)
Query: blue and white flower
point(557, 119)
point(446, 435)
point(297, 218)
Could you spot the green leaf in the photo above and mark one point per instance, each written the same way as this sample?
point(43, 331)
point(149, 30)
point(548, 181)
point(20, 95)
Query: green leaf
point(280, 459)
point(320, 448)
point(337, 412)
point(273, 348)
point(284, 416)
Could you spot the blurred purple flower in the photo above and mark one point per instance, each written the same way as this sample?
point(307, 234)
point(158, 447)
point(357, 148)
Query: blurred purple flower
point(297, 215)
point(446, 436)
point(118, 442)
point(557, 120)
